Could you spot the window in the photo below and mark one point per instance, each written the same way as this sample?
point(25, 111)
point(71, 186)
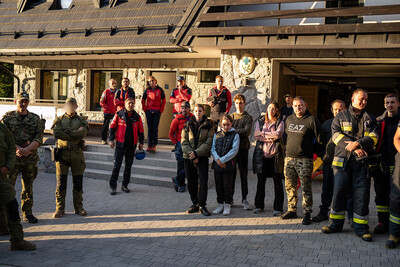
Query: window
point(344, 20)
point(54, 85)
point(65, 3)
point(157, 1)
point(99, 83)
point(60, 4)
point(208, 76)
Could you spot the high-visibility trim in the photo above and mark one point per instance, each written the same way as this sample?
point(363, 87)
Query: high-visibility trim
point(391, 169)
point(338, 162)
point(382, 208)
point(394, 219)
point(337, 216)
point(366, 133)
point(338, 138)
point(374, 137)
point(346, 128)
point(360, 219)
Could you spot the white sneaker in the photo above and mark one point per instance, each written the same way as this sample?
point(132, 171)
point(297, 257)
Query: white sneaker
point(227, 209)
point(219, 209)
point(246, 205)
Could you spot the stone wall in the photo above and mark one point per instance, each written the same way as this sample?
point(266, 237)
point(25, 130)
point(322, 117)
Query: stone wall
point(258, 88)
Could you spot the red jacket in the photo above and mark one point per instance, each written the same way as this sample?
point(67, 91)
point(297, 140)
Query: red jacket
point(120, 97)
point(107, 101)
point(153, 99)
point(177, 98)
point(177, 125)
point(118, 127)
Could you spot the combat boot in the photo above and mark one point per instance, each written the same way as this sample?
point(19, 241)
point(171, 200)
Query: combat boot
point(392, 242)
point(58, 214)
point(81, 212)
point(78, 206)
point(22, 245)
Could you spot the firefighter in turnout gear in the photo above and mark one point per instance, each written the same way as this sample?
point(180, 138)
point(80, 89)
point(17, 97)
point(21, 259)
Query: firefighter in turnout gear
point(355, 134)
point(69, 130)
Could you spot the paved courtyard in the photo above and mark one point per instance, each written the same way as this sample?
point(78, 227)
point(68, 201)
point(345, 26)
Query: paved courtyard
point(149, 227)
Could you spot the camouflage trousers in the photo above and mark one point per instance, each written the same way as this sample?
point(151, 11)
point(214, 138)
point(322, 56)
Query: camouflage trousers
point(294, 169)
point(28, 172)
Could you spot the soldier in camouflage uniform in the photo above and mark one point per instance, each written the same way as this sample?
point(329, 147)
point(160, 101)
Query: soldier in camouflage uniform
point(70, 129)
point(7, 194)
point(27, 129)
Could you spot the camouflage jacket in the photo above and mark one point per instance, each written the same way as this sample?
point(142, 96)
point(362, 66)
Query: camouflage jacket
point(25, 130)
point(67, 129)
point(7, 148)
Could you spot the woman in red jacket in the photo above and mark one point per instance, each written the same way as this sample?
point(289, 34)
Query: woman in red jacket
point(153, 103)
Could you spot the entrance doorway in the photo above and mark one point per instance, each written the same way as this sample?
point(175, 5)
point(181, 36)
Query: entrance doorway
point(322, 83)
point(167, 81)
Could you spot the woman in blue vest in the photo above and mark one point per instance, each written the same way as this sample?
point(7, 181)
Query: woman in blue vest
point(224, 149)
point(266, 158)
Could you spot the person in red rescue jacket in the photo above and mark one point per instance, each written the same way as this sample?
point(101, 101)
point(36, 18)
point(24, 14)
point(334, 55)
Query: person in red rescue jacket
point(219, 99)
point(153, 103)
point(107, 103)
point(122, 94)
point(180, 94)
point(126, 130)
point(175, 131)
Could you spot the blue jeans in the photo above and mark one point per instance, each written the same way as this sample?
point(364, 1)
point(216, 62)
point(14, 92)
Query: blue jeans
point(153, 119)
point(355, 179)
point(180, 172)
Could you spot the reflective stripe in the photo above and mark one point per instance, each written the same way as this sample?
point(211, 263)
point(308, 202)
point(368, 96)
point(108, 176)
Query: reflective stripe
point(336, 138)
point(391, 168)
point(346, 128)
point(394, 219)
point(337, 162)
point(337, 217)
point(366, 133)
point(374, 137)
point(382, 208)
point(360, 219)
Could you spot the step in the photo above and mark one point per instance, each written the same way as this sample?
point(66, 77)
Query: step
point(135, 177)
point(164, 160)
point(138, 167)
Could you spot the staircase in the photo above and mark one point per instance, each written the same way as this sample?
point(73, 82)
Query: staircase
point(156, 169)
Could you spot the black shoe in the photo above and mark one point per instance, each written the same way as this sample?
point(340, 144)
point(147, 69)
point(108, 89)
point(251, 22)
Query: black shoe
point(306, 219)
point(193, 209)
point(181, 189)
point(392, 242)
point(289, 215)
point(173, 150)
point(175, 183)
point(328, 230)
point(125, 189)
point(320, 217)
point(113, 191)
point(381, 229)
point(31, 219)
point(204, 211)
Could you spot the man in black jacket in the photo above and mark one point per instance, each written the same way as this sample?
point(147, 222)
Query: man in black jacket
point(383, 169)
point(242, 123)
point(303, 138)
point(327, 185)
point(354, 133)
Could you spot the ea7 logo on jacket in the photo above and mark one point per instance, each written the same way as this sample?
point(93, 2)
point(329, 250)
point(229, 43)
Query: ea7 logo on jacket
point(295, 128)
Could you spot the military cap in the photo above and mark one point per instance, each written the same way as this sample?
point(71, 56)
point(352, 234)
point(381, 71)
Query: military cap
point(71, 100)
point(23, 96)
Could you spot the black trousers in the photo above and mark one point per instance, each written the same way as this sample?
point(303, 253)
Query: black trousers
point(223, 186)
point(382, 183)
point(119, 154)
point(197, 180)
point(327, 188)
point(107, 119)
point(242, 160)
point(153, 120)
point(269, 171)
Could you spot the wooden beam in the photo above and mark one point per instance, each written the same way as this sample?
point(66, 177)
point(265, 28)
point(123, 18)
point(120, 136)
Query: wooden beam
point(255, 2)
point(302, 13)
point(297, 29)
